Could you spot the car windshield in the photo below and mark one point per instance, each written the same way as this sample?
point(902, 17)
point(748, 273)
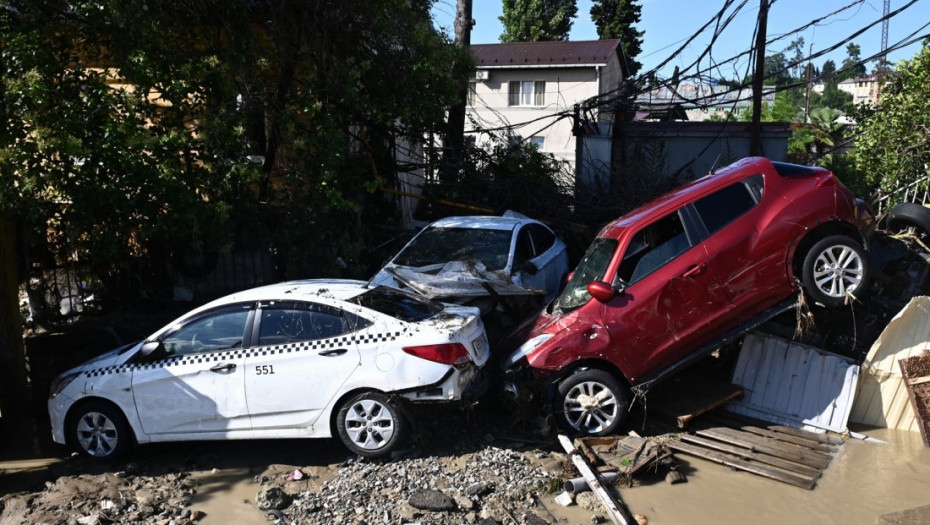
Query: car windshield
point(398, 304)
point(591, 268)
point(441, 245)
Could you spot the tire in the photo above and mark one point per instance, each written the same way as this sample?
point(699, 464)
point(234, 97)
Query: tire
point(908, 215)
point(99, 430)
point(591, 402)
point(835, 267)
point(371, 425)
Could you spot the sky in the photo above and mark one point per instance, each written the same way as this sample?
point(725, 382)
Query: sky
point(669, 23)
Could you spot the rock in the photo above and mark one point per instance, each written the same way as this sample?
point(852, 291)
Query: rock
point(431, 500)
point(488, 521)
point(597, 518)
point(464, 503)
point(272, 497)
point(532, 519)
point(478, 489)
point(640, 519)
point(674, 476)
point(588, 501)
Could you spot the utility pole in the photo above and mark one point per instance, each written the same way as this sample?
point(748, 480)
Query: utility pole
point(455, 126)
point(755, 139)
point(807, 95)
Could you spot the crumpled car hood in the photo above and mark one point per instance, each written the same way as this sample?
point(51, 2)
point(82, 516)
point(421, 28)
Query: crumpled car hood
point(458, 279)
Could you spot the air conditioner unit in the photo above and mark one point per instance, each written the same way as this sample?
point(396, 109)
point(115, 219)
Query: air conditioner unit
point(481, 74)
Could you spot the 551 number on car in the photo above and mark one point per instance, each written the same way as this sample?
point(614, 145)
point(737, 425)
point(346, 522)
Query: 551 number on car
point(263, 370)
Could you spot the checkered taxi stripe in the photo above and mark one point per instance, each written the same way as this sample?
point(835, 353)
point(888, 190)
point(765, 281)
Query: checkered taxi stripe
point(302, 346)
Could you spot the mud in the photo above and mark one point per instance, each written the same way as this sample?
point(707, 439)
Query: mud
point(865, 481)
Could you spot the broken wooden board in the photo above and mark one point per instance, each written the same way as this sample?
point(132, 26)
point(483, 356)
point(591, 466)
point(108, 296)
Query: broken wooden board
point(690, 396)
point(797, 457)
point(916, 373)
point(626, 455)
point(615, 508)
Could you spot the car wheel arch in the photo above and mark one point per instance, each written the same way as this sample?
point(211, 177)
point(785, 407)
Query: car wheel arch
point(814, 234)
point(75, 410)
point(340, 401)
point(593, 364)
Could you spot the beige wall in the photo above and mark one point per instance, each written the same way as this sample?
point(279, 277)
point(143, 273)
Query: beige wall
point(564, 88)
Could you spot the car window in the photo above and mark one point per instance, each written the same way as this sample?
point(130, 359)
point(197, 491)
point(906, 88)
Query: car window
point(653, 247)
point(222, 330)
point(524, 249)
point(543, 239)
point(441, 245)
point(592, 267)
point(398, 304)
point(294, 322)
point(726, 204)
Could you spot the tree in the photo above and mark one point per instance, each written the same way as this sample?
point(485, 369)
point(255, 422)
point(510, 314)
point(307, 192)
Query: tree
point(893, 145)
point(537, 20)
point(852, 65)
point(828, 70)
point(135, 129)
point(615, 19)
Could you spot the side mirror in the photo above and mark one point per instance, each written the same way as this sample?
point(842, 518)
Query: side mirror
point(149, 348)
point(601, 291)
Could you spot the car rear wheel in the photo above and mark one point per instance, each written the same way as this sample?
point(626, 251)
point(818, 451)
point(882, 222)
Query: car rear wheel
point(99, 430)
point(834, 268)
point(591, 402)
point(371, 425)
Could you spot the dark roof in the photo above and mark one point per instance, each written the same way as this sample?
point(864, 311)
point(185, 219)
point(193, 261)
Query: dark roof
point(517, 54)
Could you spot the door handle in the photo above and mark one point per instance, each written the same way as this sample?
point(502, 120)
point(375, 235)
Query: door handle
point(223, 368)
point(329, 353)
point(695, 270)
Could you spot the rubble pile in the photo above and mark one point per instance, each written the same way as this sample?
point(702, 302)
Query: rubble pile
point(103, 499)
point(483, 487)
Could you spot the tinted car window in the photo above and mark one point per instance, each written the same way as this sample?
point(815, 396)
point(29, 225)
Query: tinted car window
point(221, 330)
point(653, 247)
point(543, 239)
point(726, 204)
point(294, 322)
point(398, 304)
point(441, 245)
point(524, 250)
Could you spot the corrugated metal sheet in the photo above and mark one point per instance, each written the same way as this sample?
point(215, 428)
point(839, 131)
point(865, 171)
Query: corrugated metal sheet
point(881, 399)
point(793, 384)
point(516, 54)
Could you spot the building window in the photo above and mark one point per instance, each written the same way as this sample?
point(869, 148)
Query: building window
point(528, 93)
point(472, 95)
point(538, 142)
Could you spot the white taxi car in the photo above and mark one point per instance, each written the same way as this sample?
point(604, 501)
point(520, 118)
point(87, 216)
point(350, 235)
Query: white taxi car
point(300, 359)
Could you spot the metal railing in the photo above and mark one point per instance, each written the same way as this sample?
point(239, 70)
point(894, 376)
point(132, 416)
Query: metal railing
point(917, 192)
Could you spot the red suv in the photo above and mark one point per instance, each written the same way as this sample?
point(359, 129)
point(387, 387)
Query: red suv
point(668, 282)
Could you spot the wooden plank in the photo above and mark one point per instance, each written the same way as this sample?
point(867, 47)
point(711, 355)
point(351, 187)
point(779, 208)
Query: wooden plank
point(737, 463)
point(918, 380)
point(615, 508)
point(765, 445)
point(797, 468)
point(919, 395)
point(782, 436)
point(820, 437)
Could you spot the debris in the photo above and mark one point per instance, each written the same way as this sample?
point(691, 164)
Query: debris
point(565, 498)
point(615, 508)
point(296, 475)
point(916, 373)
point(576, 485)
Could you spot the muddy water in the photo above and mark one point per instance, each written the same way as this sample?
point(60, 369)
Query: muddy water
point(864, 481)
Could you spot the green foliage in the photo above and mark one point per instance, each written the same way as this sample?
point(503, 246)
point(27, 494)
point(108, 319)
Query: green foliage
point(851, 68)
point(141, 128)
point(892, 147)
point(537, 20)
point(615, 19)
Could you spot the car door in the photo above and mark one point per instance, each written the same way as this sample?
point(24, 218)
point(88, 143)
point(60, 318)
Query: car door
point(668, 291)
point(303, 354)
point(193, 382)
point(746, 232)
point(540, 259)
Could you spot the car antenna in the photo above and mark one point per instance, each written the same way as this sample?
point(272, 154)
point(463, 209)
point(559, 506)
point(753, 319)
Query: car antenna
point(714, 165)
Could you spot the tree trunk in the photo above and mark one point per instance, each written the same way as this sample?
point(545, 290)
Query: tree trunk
point(12, 352)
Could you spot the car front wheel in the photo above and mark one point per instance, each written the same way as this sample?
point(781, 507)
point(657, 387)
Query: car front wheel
point(99, 430)
point(591, 402)
point(371, 425)
point(834, 268)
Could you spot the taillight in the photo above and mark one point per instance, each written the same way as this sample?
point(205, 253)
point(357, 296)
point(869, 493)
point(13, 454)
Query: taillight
point(449, 353)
